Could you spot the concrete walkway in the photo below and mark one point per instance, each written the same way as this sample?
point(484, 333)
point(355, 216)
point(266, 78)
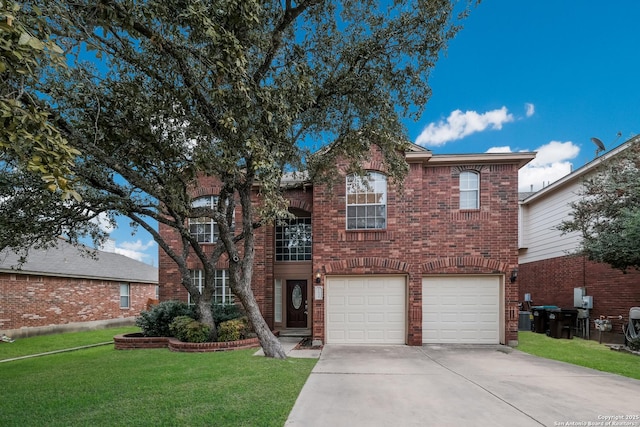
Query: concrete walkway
point(457, 386)
point(289, 344)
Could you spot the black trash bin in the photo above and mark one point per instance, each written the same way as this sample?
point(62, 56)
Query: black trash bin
point(569, 322)
point(562, 323)
point(555, 322)
point(537, 325)
point(540, 323)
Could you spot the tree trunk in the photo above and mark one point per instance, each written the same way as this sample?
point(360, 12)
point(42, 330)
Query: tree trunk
point(205, 313)
point(270, 344)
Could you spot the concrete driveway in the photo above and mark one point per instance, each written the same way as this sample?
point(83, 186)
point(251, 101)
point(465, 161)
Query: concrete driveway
point(459, 386)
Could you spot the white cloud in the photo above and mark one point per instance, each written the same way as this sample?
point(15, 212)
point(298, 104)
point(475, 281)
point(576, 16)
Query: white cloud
point(554, 152)
point(137, 245)
point(459, 124)
point(135, 250)
point(505, 149)
point(103, 221)
point(530, 109)
point(551, 164)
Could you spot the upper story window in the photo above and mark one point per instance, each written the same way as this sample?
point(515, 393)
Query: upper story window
point(469, 190)
point(366, 201)
point(222, 290)
point(293, 240)
point(204, 229)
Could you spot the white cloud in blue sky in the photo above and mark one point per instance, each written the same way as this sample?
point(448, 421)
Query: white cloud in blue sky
point(530, 109)
point(460, 124)
point(551, 164)
point(135, 250)
point(103, 222)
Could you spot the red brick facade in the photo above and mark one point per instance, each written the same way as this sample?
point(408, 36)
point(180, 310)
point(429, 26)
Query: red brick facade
point(551, 282)
point(426, 234)
point(28, 301)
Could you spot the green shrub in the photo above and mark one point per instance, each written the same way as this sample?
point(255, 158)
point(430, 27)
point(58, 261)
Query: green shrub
point(232, 330)
point(189, 330)
point(634, 344)
point(155, 322)
point(224, 312)
point(179, 325)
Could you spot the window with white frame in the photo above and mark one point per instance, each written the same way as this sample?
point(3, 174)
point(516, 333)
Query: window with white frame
point(293, 239)
point(469, 190)
point(277, 299)
point(125, 290)
point(366, 201)
point(204, 229)
point(222, 289)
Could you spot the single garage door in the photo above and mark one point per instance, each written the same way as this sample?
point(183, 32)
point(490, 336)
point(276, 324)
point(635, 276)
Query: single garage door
point(461, 309)
point(365, 310)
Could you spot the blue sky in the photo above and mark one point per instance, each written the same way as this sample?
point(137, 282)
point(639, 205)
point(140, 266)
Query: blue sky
point(540, 75)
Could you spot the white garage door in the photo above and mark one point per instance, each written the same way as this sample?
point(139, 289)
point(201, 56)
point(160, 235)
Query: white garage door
point(461, 309)
point(365, 310)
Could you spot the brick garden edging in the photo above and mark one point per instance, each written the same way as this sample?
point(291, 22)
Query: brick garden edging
point(137, 340)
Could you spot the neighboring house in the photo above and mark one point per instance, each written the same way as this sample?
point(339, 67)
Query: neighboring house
point(62, 289)
point(550, 270)
point(429, 262)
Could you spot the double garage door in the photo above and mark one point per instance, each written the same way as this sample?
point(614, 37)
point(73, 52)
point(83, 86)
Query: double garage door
point(372, 309)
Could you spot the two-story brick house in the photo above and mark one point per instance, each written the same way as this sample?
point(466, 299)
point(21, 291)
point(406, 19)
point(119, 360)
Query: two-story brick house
point(366, 261)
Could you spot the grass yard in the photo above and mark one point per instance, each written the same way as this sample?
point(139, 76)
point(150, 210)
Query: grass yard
point(580, 352)
point(46, 343)
point(101, 386)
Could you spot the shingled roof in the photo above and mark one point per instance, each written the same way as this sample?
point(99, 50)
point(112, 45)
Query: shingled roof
point(65, 260)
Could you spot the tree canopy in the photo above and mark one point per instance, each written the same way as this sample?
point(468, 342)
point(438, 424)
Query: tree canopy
point(608, 213)
point(161, 93)
point(28, 138)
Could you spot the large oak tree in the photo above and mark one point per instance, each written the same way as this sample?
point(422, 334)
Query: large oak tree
point(163, 92)
point(608, 213)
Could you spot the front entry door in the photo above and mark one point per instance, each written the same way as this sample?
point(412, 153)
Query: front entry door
point(296, 303)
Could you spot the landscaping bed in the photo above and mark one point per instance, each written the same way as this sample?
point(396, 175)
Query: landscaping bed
point(138, 341)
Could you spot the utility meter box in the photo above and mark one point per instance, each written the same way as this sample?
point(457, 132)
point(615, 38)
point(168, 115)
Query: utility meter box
point(587, 302)
point(578, 295)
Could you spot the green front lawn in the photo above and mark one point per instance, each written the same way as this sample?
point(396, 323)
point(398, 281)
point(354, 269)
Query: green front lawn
point(101, 386)
point(46, 343)
point(580, 352)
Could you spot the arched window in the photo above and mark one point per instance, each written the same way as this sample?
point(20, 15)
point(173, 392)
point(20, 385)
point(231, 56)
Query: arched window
point(366, 201)
point(469, 190)
point(204, 229)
